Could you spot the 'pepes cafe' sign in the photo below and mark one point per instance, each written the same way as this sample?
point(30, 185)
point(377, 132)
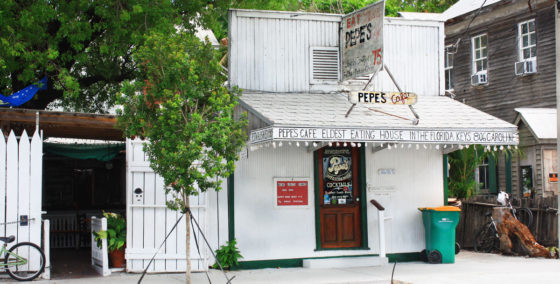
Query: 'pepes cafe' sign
point(388, 98)
point(361, 41)
point(470, 136)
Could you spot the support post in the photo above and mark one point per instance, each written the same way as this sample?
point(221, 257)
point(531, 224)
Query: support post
point(380, 227)
point(47, 249)
point(557, 31)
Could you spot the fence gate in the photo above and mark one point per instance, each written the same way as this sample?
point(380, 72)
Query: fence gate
point(149, 220)
point(21, 170)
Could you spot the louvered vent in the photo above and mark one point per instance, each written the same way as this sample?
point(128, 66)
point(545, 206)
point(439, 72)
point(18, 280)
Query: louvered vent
point(324, 65)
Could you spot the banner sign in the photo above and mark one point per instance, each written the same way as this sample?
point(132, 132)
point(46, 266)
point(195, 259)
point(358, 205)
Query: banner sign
point(361, 41)
point(465, 136)
point(292, 192)
point(388, 98)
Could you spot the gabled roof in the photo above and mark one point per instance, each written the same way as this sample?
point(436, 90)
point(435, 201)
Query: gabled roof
point(464, 7)
point(540, 121)
point(437, 113)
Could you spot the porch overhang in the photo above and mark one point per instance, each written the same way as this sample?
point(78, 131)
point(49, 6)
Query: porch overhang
point(321, 118)
point(61, 124)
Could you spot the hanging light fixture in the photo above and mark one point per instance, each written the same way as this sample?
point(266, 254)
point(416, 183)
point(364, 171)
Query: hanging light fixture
point(280, 144)
point(314, 144)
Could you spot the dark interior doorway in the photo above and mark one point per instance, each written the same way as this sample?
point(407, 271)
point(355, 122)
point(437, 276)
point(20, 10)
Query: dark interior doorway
point(74, 190)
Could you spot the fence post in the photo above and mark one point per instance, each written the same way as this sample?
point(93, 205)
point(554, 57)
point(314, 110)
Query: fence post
point(47, 249)
point(99, 256)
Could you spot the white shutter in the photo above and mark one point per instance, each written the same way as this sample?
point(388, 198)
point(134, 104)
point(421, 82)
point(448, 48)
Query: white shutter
point(324, 65)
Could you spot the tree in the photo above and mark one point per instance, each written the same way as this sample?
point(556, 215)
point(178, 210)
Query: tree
point(84, 47)
point(180, 105)
point(463, 164)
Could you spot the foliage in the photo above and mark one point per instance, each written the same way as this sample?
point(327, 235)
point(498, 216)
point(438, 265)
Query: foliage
point(327, 6)
point(115, 234)
point(463, 163)
point(228, 255)
point(84, 47)
point(180, 104)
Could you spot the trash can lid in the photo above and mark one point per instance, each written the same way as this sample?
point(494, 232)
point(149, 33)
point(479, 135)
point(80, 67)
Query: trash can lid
point(441, 208)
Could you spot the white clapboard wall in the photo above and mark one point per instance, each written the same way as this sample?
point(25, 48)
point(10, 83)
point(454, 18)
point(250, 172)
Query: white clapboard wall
point(149, 220)
point(21, 169)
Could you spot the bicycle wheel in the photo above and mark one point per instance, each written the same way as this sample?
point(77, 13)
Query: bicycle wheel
point(24, 261)
point(486, 240)
point(525, 216)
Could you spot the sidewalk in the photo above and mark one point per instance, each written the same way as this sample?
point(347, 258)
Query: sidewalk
point(469, 268)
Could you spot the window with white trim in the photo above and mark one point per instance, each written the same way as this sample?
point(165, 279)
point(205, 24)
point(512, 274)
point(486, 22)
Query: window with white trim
point(527, 40)
point(479, 54)
point(448, 68)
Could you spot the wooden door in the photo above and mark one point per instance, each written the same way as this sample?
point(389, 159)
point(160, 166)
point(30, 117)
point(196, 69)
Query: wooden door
point(339, 209)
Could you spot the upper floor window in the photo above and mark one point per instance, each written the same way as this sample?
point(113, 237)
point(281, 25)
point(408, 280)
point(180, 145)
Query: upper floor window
point(449, 76)
point(527, 46)
point(479, 60)
point(527, 40)
point(480, 53)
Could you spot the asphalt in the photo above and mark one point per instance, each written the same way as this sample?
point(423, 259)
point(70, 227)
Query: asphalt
point(469, 267)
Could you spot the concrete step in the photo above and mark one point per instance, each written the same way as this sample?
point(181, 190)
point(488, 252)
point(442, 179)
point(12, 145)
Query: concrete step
point(345, 262)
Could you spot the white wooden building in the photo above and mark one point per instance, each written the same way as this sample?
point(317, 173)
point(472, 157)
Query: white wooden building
point(281, 208)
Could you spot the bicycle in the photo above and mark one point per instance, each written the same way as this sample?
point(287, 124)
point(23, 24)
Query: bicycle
point(24, 261)
point(487, 239)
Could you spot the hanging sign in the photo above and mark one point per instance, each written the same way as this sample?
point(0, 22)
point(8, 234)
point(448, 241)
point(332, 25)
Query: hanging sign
point(388, 98)
point(361, 41)
point(291, 192)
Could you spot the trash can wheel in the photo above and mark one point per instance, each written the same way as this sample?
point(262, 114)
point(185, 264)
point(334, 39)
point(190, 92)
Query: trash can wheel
point(457, 248)
point(434, 257)
point(423, 256)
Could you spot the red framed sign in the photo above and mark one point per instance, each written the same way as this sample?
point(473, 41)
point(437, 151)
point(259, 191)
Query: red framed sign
point(291, 192)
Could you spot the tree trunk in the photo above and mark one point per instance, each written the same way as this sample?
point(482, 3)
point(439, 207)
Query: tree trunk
point(511, 229)
point(188, 237)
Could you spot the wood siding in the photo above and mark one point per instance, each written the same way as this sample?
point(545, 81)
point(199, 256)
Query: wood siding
point(506, 91)
point(270, 51)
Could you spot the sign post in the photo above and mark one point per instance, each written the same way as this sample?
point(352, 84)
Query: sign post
point(362, 41)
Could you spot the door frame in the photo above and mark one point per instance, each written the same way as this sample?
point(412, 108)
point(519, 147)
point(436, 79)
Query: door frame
point(363, 202)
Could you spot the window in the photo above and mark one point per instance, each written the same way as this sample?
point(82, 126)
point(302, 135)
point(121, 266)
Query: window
point(527, 37)
point(483, 174)
point(527, 41)
point(480, 54)
point(449, 74)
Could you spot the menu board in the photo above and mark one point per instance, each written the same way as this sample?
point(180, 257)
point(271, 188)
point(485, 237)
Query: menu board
point(290, 193)
point(337, 176)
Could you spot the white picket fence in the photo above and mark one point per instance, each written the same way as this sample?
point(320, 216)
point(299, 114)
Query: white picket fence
point(21, 170)
point(99, 256)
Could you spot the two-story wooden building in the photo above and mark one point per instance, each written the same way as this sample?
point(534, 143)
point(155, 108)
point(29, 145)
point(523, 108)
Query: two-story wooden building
point(500, 55)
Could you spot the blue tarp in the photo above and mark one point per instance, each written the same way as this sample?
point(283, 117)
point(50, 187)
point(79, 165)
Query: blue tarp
point(22, 96)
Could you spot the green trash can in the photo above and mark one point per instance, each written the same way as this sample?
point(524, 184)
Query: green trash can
point(440, 223)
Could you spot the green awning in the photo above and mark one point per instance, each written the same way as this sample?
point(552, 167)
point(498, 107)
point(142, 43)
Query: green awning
point(101, 152)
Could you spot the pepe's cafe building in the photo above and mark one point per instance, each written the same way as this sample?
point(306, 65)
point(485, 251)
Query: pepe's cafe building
point(302, 190)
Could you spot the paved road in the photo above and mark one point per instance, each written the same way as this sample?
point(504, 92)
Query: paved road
point(469, 267)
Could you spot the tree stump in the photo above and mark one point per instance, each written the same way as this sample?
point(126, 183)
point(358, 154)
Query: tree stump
point(515, 237)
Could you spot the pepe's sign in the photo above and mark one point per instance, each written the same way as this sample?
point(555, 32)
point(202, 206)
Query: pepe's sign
point(361, 41)
point(388, 98)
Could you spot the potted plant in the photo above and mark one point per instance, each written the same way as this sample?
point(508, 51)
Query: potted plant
point(116, 238)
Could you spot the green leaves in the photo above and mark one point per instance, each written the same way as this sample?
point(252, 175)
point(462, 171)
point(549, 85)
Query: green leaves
point(228, 255)
point(181, 106)
point(115, 233)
